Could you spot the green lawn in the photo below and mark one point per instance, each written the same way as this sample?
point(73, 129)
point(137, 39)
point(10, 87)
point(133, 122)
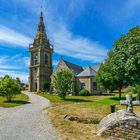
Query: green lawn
point(18, 100)
point(86, 101)
point(91, 108)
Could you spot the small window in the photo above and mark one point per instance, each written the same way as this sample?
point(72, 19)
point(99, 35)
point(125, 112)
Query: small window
point(83, 85)
point(94, 85)
point(46, 59)
point(35, 73)
point(35, 58)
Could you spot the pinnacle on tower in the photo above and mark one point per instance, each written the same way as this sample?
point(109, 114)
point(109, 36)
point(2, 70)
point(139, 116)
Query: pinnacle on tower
point(41, 26)
point(41, 37)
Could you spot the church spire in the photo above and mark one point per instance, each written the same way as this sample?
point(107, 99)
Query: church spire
point(41, 37)
point(41, 26)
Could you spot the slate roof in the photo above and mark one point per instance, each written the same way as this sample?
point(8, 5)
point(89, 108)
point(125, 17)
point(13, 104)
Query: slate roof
point(87, 72)
point(73, 67)
point(82, 71)
point(96, 67)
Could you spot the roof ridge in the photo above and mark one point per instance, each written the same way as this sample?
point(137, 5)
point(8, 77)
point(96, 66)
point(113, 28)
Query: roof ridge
point(71, 63)
point(87, 72)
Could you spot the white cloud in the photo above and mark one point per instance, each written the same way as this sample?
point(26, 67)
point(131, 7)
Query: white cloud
point(55, 62)
point(5, 62)
point(65, 42)
point(13, 62)
point(10, 36)
point(26, 61)
point(3, 59)
point(8, 67)
point(68, 44)
point(14, 66)
point(23, 76)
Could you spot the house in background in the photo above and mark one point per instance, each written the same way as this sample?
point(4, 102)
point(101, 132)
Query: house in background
point(85, 76)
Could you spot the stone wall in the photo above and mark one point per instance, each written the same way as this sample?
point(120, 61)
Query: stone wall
point(120, 126)
point(85, 80)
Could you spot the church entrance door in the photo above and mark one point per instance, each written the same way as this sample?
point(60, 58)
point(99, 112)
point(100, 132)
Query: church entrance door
point(35, 87)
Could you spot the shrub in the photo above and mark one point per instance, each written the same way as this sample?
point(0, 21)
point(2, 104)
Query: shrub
point(9, 87)
point(84, 92)
point(135, 89)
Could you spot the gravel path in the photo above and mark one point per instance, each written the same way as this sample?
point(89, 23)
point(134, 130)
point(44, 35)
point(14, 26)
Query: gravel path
point(27, 122)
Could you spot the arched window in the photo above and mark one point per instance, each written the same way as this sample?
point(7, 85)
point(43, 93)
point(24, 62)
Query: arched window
point(35, 58)
point(83, 85)
point(46, 59)
point(94, 85)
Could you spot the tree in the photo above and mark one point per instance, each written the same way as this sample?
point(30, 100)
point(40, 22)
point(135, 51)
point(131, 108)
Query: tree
point(105, 77)
point(118, 61)
point(125, 60)
point(18, 80)
point(133, 63)
point(9, 87)
point(112, 74)
point(62, 82)
point(46, 86)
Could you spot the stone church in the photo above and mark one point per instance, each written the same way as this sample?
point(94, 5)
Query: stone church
point(41, 65)
point(84, 76)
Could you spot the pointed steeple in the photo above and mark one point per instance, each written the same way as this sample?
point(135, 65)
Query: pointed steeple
point(41, 37)
point(41, 26)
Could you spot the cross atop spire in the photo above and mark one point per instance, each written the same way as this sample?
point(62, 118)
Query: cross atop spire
point(41, 26)
point(41, 11)
point(41, 7)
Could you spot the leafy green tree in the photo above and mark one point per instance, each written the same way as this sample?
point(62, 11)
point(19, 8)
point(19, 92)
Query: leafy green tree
point(118, 61)
point(62, 82)
point(112, 74)
point(133, 63)
point(18, 80)
point(105, 77)
point(125, 61)
point(9, 87)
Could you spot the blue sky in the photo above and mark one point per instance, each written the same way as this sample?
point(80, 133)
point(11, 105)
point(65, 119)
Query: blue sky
point(82, 31)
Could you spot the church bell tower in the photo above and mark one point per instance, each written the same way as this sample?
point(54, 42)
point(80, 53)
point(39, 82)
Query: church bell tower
point(40, 59)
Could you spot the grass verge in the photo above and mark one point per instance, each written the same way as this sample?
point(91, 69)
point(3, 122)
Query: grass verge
point(92, 109)
point(17, 101)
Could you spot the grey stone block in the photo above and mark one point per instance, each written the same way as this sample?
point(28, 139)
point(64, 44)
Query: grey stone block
point(120, 125)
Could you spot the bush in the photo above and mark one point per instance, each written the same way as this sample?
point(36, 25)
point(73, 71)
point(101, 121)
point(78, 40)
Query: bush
point(9, 87)
point(84, 92)
point(135, 89)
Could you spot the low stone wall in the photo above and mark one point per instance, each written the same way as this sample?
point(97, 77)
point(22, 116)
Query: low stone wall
point(120, 126)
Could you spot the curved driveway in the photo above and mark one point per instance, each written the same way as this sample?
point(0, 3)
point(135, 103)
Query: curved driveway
point(27, 122)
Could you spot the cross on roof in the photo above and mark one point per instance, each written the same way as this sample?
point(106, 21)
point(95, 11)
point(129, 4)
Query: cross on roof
point(129, 104)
